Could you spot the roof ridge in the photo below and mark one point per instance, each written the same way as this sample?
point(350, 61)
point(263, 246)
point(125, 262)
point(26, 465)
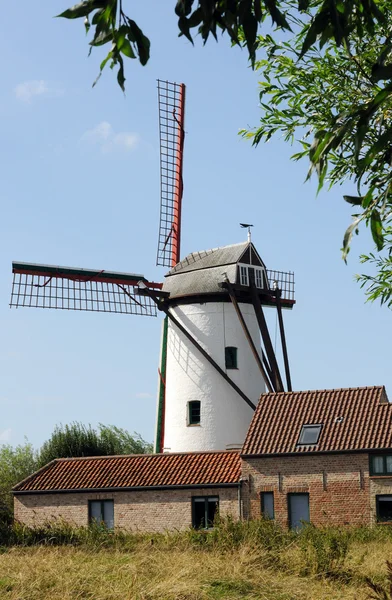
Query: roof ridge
point(323, 390)
point(151, 454)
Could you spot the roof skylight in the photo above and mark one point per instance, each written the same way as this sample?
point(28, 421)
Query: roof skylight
point(309, 435)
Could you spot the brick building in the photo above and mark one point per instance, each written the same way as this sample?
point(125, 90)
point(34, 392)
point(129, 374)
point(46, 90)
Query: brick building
point(323, 456)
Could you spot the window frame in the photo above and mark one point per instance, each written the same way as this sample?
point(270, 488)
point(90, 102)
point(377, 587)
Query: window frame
point(385, 472)
point(102, 502)
point(303, 428)
point(260, 276)
point(236, 357)
point(190, 422)
point(206, 499)
point(378, 496)
point(262, 505)
point(244, 275)
point(289, 508)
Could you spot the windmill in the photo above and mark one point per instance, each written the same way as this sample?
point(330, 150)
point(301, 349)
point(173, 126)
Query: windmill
point(212, 367)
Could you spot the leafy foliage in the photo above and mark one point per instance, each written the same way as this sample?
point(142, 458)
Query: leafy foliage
point(337, 95)
point(66, 441)
point(240, 19)
point(15, 464)
point(78, 440)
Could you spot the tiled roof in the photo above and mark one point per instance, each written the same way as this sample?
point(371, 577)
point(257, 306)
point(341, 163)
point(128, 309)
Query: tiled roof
point(351, 419)
point(135, 471)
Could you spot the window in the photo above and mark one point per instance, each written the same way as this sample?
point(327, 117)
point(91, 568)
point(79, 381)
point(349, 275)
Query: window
point(194, 412)
point(204, 511)
point(309, 435)
point(381, 464)
point(298, 505)
point(244, 280)
point(231, 357)
point(384, 508)
point(101, 512)
point(259, 278)
point(267, 505)
point(255, 275)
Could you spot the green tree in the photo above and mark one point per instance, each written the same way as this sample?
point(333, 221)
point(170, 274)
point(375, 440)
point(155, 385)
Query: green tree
point(335, 102)
point(240, 20)
point(77, 439)
point(15, 464)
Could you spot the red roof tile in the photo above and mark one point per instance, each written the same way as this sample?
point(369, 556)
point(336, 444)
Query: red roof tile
point(138, 470)
point(352, 419)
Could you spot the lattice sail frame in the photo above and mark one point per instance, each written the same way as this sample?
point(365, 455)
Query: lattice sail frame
point(171, 101)
point(67, 288)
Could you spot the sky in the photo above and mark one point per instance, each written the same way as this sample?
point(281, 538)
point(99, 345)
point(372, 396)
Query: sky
point(79, 187)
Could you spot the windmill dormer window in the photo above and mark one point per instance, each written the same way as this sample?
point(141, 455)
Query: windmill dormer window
point(256, 275)
point(244, 279)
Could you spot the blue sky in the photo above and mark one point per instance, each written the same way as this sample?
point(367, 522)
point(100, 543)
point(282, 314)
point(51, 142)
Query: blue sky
point(80, 187)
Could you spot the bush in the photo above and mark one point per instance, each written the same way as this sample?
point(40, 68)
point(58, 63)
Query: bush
point(324, 550)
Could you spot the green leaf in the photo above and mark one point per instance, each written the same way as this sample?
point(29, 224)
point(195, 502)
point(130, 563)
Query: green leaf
point(82, 9)
point(103, 38)
point(347, 237)
point(376, 229)
point(120, 74)
point(382, 72)
point(126, 49)
point(354, 200)
point(142, 42)
point(87, 25)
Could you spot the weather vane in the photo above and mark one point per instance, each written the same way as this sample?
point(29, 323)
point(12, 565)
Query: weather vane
point(247, 226)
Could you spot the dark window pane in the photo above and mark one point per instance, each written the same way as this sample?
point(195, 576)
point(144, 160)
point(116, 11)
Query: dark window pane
point(108, 513)
point(388, 463)
point(231, 357)
point(298, 510)
point(267, 505)
point(212, 505)
point(384, 508)
point(102, 512)
point(204, 511)
point(377, 464)
point(198, 512)
point(194, 412)
point(309, 434)
point(95, 511)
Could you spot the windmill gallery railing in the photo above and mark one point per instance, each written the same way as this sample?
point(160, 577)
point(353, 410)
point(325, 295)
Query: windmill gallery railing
point(285, 283)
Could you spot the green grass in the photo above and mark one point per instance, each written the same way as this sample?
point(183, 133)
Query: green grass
point(251, 560)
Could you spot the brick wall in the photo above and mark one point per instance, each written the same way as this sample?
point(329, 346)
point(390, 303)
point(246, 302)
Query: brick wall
point(151, 511)
point(338, 486)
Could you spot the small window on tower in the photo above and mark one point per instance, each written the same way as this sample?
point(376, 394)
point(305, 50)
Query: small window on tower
point(231, 357)
point(244, 280)
point(259, 278)
point(194, 412)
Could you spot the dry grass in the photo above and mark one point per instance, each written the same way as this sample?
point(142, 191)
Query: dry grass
point(150, 572)
point(251, 560)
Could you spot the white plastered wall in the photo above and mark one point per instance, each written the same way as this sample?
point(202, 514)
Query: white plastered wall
point(225, 416)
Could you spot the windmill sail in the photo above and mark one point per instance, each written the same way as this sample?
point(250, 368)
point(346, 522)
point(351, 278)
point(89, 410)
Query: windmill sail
point(67, 288)
point(171, 99)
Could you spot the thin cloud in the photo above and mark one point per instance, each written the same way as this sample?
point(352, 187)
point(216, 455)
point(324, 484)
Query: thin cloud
point(27, 90)
point(5, 436)
point(104, 136)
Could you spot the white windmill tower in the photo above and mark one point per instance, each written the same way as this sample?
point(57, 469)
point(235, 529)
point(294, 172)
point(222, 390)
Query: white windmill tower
point(212, 369)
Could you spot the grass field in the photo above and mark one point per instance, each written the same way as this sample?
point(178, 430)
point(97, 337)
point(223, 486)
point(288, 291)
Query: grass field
point(261, 562)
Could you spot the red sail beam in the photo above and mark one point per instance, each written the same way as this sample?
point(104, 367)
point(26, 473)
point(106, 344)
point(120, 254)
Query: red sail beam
point(84, 275)
point(67, 288)
point(171, 97)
